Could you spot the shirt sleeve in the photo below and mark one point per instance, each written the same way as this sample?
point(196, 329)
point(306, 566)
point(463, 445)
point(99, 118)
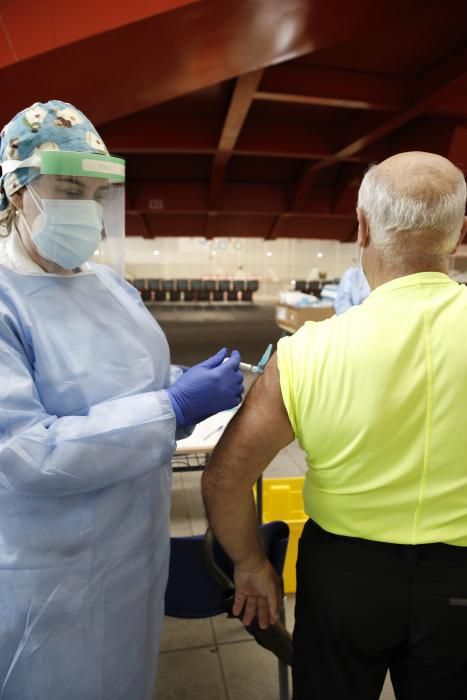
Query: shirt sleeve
point(45, 455)
point(285, 364)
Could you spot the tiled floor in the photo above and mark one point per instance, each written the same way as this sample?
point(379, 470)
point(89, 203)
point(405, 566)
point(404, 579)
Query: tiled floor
point(216, 659)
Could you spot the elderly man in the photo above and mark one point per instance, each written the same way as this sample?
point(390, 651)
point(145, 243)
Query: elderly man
point(377, 400)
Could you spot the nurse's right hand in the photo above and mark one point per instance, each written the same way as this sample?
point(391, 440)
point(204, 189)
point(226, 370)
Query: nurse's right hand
point(207, 388)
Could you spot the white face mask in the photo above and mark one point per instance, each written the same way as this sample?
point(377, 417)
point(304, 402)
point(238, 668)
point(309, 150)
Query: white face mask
point(66, 232)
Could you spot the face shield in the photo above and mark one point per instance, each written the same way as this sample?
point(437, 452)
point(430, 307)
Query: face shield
point(76, 207)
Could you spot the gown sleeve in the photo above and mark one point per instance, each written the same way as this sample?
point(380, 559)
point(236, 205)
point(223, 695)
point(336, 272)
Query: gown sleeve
point(45, 455)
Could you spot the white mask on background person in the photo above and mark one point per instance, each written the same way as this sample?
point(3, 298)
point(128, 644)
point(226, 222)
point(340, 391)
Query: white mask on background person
point(66, 232)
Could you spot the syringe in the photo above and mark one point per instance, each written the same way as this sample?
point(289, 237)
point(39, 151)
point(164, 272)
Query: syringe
point(246, 367)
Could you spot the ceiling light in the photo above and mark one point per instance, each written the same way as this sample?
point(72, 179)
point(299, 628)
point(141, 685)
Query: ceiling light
point(319, 255)
point(156, 252)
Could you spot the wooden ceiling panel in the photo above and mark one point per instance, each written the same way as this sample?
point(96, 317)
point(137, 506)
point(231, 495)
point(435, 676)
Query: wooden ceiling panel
point(319, 227)
point(163, 166)
point(243, 226)
point(247, 118)
point(296, 113)
point(281, 171)
point(430, 30)
point(175, 224)
point(211, 101)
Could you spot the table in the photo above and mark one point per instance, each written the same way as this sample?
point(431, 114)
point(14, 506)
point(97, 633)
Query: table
point(193, 452)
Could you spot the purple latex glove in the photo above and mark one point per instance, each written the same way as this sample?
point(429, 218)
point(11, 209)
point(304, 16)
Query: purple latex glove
point(207, 388)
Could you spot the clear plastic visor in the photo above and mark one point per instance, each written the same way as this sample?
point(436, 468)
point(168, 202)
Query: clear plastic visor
point(78, 177)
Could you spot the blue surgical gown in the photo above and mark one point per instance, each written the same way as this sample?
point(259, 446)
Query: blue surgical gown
point(353, 289)
point(87, 434)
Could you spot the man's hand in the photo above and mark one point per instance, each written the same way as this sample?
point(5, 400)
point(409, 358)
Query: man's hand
point(257, 593)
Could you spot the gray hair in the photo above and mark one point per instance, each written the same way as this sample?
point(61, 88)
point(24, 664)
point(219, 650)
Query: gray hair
point(402, 219)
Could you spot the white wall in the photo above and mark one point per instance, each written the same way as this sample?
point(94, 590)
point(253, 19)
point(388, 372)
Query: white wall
point(289, 259)
point(197, 257)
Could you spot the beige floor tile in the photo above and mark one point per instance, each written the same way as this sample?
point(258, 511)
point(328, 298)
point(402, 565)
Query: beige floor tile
point(179, 507)
point(192, 488)
point(191, 480)
point(228, 630)
point(288, 462)
point(177, 482)
point(190, 675)
point(250, 671)
point(178, 634)
point(388, 692)
point(198, 525)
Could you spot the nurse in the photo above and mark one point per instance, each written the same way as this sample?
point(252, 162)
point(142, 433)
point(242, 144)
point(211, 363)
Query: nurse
point(88, 421)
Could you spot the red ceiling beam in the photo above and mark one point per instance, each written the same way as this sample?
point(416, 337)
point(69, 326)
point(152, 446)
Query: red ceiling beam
point(305, 184)
point(160, 57)
point(240, 103)
point(433, 84)
point(154, 134)
point(428, 133)
point(211, 225)
point(458, 148)
point(157, 134)
point(332, 87)
point(345, 189)
point(233, 225)
point(252, 199)
point(54, 24)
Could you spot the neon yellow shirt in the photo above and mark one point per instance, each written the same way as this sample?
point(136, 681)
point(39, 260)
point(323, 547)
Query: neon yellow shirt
point(378, 400)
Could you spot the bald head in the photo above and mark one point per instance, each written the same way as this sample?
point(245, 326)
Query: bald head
point(414, 205)
point(419, 175)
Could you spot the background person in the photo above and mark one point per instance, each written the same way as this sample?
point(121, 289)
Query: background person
point(352, 290)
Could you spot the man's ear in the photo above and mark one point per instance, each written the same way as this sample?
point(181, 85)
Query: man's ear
point(363, 233)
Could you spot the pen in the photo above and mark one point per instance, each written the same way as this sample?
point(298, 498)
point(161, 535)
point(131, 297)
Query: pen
point(206, 437)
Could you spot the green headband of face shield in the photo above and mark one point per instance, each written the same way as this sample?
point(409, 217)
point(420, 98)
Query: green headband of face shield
point(72, 163)
point(68, 230)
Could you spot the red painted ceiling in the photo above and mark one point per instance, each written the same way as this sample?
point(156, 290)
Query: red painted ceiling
point(246, 117)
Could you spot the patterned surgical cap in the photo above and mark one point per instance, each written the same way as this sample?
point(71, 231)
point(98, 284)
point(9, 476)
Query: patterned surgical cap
point(49, 126)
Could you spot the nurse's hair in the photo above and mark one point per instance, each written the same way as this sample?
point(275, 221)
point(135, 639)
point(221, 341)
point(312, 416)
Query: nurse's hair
point(414, 205)
point(7, 218)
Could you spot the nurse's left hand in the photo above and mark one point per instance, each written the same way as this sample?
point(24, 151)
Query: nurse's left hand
point(207, 388)
point(257, 594)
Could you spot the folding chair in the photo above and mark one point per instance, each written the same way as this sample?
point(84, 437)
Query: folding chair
point(200, 585)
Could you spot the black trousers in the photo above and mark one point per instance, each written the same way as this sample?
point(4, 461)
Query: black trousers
point(365, 607)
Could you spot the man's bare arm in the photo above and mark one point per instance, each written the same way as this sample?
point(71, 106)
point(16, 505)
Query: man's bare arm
point(253, 438)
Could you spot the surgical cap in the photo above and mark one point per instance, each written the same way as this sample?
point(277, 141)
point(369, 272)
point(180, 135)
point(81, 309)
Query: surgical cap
point(49, 126)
